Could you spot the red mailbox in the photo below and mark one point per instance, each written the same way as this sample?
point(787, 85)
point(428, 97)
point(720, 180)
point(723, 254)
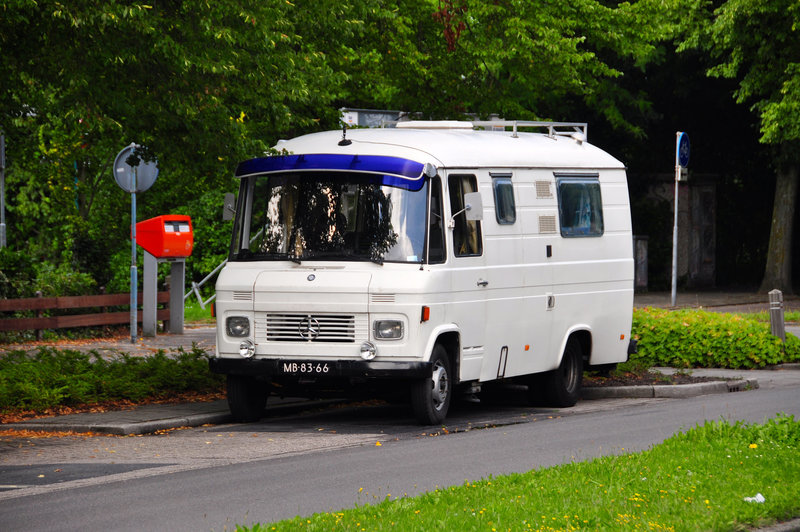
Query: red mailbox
point(169, 235)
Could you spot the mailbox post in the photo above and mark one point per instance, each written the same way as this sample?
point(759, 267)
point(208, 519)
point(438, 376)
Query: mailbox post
point(167, 238)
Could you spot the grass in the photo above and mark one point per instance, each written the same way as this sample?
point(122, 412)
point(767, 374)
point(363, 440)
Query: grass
point(789, 316)
point(696, 480)
point(194, 313)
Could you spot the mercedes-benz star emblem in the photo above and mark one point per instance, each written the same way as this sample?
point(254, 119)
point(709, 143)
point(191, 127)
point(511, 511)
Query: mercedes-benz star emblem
point(309, 328)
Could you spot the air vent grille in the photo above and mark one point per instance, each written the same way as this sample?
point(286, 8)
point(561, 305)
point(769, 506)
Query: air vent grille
point(243, 296)
point(544, 190)
point(382, 298)
point(547, 224)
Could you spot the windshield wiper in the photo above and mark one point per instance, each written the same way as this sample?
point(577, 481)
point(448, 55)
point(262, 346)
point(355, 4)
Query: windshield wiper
point(247, 254)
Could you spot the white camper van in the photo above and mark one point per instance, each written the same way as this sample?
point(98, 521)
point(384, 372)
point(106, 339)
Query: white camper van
point(426, 259)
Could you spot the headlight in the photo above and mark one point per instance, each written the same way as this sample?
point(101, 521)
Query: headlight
point(237, 326)
point(368, 351)
point(388, 329)
point(247, 349)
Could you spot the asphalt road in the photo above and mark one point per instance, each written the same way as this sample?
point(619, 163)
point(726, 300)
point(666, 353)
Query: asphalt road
point(212, 478)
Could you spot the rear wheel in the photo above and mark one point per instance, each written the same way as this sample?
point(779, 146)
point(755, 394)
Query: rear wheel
point(247, 398)
point(430, 398)
point(562, 386)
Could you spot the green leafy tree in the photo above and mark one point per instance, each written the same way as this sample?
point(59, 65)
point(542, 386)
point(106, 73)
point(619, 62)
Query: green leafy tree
point(517, 58)
point(757, 43)
point(206, 84)
point(201, 84)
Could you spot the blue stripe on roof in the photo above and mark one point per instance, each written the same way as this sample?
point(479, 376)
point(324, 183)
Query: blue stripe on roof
point(371, 164)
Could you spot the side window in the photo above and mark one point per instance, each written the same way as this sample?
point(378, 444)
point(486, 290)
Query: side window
point(580, 206)
point(504, 207)
point(436, 250)
point(466, 233)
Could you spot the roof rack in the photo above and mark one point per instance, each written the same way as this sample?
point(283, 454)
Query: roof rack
point(566, 129)
point(575, 130)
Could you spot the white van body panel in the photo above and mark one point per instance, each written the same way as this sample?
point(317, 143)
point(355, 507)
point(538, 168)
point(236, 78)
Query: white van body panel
point(507, 312)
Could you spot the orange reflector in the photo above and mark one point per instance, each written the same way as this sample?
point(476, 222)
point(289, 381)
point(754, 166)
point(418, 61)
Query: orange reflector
point(527, 347)
point(621, 336)
point(426, 314)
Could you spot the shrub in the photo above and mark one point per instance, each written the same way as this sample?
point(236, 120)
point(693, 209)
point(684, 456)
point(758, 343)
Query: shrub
point(51, 377)
point(63, 280)
point(697, 338)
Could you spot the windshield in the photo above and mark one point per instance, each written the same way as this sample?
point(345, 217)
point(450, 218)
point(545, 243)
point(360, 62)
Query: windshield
point(328, 216)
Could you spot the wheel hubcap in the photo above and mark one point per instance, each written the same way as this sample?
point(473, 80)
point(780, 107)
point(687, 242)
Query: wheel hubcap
point(441, 385)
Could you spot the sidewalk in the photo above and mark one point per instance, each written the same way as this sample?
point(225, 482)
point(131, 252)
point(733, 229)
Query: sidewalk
point(716, 301)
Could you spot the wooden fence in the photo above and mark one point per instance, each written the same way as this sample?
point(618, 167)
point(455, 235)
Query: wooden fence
point(97, 315)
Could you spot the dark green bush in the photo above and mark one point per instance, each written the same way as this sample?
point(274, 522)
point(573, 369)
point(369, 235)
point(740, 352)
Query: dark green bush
point(53, 377)
point(697, 339)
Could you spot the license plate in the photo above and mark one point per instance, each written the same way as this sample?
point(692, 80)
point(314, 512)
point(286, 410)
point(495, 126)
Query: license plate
point(305, 368)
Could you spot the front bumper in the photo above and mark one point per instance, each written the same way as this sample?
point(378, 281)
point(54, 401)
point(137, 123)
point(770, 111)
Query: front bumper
point(274, 367)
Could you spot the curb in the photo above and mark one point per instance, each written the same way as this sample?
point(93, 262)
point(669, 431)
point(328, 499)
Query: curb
point(151, 426)
point(668, 391)
point(786, 526)
point(123, 429)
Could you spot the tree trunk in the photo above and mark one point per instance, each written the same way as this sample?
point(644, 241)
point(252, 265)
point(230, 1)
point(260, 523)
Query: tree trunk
point(778, 272)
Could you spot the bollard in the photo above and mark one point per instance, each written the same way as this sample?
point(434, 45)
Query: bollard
point(776, 320)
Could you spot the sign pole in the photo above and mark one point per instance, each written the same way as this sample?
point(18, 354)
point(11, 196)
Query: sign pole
point(133, 174)
point(674, 296)
point(134, 276)
point(681, 162)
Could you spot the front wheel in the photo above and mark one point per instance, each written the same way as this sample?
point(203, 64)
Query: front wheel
point(430, 398)
point(562, 386)
point(247, 398)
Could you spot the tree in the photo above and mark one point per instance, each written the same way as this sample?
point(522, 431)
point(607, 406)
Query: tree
point(206, 84)
point(756, 42)
point(517, 58)
point(201, 84)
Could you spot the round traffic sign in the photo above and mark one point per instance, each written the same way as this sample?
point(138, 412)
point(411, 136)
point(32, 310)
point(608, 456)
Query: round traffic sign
point(683, 150)
point(129, 160)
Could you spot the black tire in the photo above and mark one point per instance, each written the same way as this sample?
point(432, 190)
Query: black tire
point(430, 398)
point(562, 386)
point(247, 398)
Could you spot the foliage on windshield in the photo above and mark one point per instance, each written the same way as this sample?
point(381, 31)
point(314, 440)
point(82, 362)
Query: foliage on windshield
point(329, 216)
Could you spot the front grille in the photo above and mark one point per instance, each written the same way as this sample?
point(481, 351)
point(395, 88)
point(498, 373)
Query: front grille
point(311, 328)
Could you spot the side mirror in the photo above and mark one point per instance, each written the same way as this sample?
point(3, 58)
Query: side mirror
point(228, 207)
point(474, 204)
point(473, 207)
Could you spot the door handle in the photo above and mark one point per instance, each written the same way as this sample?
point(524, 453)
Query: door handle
point(483, 283)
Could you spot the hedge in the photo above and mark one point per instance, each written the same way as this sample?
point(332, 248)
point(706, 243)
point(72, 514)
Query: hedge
point(702, 339)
